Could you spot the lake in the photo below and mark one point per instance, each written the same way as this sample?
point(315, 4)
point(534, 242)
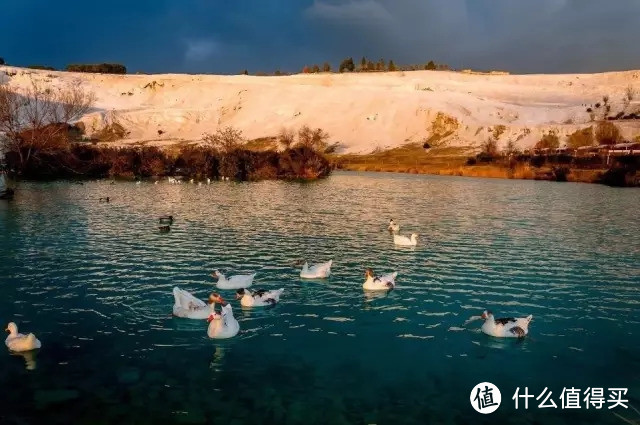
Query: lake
point(94, 281)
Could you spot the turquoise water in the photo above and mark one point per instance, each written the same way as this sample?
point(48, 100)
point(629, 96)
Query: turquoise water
point(93, 281)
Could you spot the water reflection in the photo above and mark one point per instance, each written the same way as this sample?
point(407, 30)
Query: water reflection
point(29, 358)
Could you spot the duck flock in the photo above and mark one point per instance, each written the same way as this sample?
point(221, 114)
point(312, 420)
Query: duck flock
point(223, 324)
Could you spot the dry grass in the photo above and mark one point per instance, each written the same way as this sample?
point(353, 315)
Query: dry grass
point(409, 158)
point(262, 144)
point(448, 161)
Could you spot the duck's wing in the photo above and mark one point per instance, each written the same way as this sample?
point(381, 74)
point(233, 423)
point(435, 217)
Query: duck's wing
point(185, 300)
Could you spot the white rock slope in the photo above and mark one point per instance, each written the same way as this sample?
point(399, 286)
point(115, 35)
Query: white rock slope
point(361, 111)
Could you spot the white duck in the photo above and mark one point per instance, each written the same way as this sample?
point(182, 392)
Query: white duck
point(382, 283)
point(234, 282)
point(18, 342)
point(223, 325)
point(260, 298)
point(189, 307)
point(405, 240)
point(317, 271)
point(507, 327)
point(393, 227)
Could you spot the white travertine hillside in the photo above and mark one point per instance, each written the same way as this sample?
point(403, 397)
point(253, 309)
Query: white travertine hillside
point(362, 111)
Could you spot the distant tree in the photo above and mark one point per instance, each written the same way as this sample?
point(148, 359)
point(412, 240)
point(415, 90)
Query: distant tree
point(225, 140)
point(549, 141)
point(607, 133)
point(431, 66)
point(371, 66)
point(245, 72)
point(42, 67)
point(326, 67)
point(104, 68)
point(1, 61)
point(347, 65)
point(363, 64)
point(278, 73)
point(315, 69)
point(306, 70)
point(581, 138)
point(392, 66)
point(381, 65)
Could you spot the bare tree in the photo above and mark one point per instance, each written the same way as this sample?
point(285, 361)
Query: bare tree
point(314, 139)
point(225, 139)
point(35, 119)
point(490, 147)
point(286, 138)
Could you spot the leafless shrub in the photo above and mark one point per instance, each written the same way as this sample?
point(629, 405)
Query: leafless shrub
point(630, 93)
point(314, 139)
point(225, 140)
point(286, 138)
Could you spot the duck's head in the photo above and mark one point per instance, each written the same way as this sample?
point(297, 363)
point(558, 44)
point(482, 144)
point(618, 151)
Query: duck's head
point(216, 273)
point(12, 328)
point(240, 293)
point(391, 221)
point(368, 273)
point(486, 314)
point(215, 298)
point(414, 236)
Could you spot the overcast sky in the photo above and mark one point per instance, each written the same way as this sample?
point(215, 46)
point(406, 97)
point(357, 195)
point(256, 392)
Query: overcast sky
point(227, 36)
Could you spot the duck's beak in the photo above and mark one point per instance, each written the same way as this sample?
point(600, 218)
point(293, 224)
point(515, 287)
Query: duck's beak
point(210, 319)
point(7, 331)
point(484, 316)
point(238, 296)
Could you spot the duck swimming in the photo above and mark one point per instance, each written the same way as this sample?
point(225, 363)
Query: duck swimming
point(164, 229)
point(383, 283)
point(18, 342)
point(223, 325)
point(259, 298)
point(234, 282)
point(317, 271)
point(189, 307)
point(393, 227)
point(405, 241)
point(507, 327)
point(166, 219)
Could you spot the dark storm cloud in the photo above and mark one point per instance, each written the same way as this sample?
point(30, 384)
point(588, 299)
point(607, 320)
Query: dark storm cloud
point(228, 36)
